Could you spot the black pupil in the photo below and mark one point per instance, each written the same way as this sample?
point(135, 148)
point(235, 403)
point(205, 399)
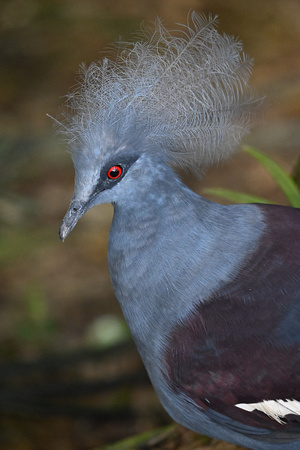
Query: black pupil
point(115, 172)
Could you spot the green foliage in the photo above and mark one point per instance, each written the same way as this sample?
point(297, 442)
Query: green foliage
point(36, 326)
point(284, 181)
point(237, 197)
point(158, 438)
point(143, 440)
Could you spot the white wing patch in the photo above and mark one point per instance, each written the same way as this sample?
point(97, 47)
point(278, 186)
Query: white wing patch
point(276, 409)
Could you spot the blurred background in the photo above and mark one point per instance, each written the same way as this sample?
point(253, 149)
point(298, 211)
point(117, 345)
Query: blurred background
point(70, 377)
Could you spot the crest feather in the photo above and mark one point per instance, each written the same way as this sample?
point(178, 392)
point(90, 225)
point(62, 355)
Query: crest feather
point(183, 96)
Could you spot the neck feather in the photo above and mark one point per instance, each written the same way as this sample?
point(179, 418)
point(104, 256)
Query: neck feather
point(170, 249)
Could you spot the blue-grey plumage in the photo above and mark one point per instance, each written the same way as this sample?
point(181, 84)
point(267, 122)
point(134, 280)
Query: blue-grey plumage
point(210, 292)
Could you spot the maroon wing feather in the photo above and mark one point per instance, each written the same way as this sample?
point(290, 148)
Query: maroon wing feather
point(242, 344)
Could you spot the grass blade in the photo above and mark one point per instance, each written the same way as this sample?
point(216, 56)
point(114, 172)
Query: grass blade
point(233, 196)
point(285, 181)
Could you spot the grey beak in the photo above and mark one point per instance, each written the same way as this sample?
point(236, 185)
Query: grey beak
point(74, 213)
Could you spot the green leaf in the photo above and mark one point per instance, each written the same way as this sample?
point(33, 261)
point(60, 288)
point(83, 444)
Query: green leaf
point(233, 196)
point(285, 181)
point(141, 440)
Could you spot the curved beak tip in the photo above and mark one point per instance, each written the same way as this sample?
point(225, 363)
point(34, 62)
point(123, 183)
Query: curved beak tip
point(71, 218)
point(62, 232)
point(65, 229)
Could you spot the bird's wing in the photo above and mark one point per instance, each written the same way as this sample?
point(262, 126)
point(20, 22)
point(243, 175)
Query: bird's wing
point(237, 354)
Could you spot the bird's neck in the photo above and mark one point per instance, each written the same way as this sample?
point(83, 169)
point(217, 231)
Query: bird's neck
point(169, 249)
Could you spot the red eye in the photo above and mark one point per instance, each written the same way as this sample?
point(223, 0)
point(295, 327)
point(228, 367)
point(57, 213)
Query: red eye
point(114, 172)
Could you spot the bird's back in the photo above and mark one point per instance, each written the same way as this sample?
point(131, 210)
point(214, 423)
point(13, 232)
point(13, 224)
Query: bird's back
point(240, 347)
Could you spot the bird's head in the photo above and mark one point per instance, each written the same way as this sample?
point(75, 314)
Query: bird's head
point(95, 185)
point(106, 177)
point(182, 100)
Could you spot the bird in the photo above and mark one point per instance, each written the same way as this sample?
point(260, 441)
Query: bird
point(210, 292)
